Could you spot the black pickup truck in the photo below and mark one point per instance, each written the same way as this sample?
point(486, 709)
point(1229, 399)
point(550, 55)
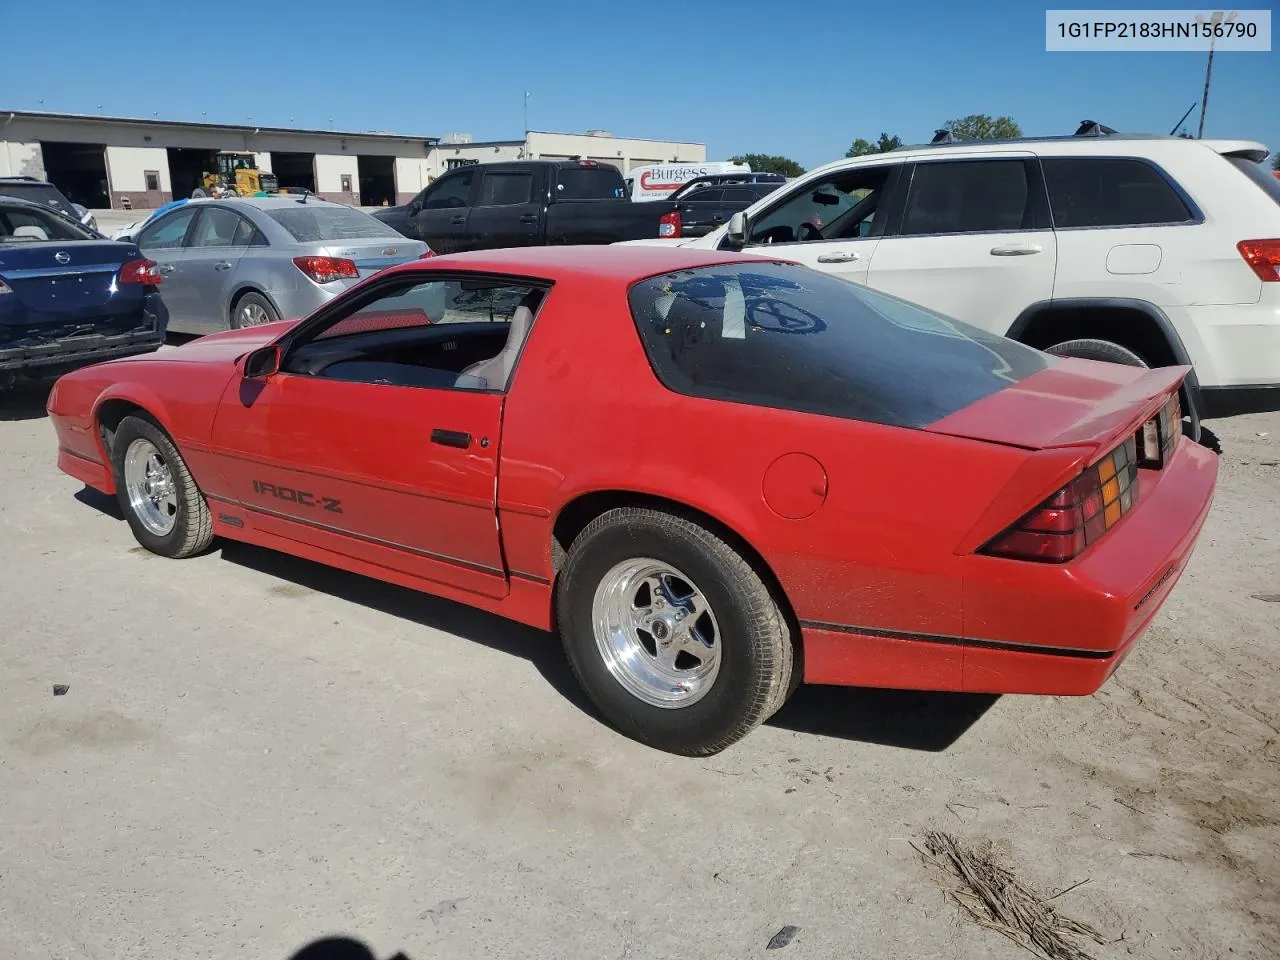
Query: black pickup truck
point(527, 203)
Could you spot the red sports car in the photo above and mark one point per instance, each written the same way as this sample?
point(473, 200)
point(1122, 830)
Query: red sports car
point(715, 475)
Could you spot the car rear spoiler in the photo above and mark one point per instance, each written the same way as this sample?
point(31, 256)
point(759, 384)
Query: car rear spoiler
point(1119, 414)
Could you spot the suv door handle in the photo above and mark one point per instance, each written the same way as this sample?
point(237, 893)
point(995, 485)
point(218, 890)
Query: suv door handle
point(847, 257)
point(451, 438)
point(222, 265)
point(1016, 249)
point(457, 219)
point(529, 218)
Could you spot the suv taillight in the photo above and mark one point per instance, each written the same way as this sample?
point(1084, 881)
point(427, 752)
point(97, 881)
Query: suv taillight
point(327, 269)
point(1263, 256)
point(1077, 515)
point(670, 226)
point(141, 271)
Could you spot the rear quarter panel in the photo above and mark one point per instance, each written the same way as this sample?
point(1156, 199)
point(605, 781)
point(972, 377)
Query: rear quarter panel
point(586, 413)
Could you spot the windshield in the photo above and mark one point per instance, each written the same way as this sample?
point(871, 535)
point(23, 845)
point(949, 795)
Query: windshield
point(781, 335)
point(38, 192)
point(1259, 174)
point(589, 183)
point(311, 223)
point(20, 224)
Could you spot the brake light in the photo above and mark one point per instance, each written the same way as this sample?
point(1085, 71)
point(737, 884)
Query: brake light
point(588, 163)
point(1263, 256)
point(327, 269)
point(141, 271)
point(1077, 515)
point(669, 225)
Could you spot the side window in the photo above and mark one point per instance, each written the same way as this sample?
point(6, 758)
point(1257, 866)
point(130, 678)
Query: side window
point(247, 235)
point(968, 196)
point(463, 334)
point(219, 227)
point(167, 232)
point(1106, 192)
point(840, 206)
point(742, 195)
point(706, 193)
point(453, 190)
point(506, 188)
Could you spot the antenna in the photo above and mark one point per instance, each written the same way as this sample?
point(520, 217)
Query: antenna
point(1183, 120)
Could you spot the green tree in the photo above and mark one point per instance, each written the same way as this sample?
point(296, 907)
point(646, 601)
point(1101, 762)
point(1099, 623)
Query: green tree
point(770, 163)
point(979, 126)
point(860, 147)
point(1275, 161)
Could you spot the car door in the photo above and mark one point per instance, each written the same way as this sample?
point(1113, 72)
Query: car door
point(701, 211)
point(973, 240)
point(442, 211)
point(508, 209)
point(164, 241)
point(215, 243)
point(832, 223)
point(367, 457)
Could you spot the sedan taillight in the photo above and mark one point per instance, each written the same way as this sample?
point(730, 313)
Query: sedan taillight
point(327, 269)
point(142, 271)
point(1077, 515)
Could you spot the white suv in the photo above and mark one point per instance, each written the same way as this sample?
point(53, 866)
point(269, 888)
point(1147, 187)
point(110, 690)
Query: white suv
point(1141, 250)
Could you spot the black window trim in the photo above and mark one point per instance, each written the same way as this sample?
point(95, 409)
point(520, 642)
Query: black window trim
point(893, 190)
point(1037, 198)
point(1197, 215)
point(337, 310)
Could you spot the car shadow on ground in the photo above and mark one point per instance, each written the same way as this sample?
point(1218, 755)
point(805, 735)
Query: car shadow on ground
point(906, 719)
point(339, 948)
point(24, 401)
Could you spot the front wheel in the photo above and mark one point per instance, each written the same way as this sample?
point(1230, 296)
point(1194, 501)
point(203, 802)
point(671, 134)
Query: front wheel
point(671, 632)
point(156, 492)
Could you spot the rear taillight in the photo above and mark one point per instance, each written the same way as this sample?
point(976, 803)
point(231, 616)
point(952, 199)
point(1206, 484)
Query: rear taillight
point(669, 225)
point(1263, 256)
point(1078, 514)
point(1160, 434)
point(141, 271)
point(327, 269)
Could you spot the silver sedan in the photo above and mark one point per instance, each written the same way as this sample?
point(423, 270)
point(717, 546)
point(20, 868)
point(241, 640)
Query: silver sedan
point(244, 261)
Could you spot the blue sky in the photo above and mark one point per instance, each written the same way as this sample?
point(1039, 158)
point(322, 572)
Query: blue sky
point(800, 79)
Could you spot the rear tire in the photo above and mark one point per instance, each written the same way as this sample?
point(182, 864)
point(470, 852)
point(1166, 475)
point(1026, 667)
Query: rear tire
point(253, 310)
point(1103, 350)
point(156, 492)
point(714, 658)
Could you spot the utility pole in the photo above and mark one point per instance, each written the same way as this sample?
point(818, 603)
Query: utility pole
point(526, 111)
point(1214, 20)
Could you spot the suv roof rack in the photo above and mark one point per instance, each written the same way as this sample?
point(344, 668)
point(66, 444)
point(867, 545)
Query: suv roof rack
point(1092, 128)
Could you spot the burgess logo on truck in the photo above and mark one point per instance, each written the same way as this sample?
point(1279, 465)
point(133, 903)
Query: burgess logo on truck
point(661, 180)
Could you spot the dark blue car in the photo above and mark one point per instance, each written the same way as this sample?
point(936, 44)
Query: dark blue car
point(69, 297)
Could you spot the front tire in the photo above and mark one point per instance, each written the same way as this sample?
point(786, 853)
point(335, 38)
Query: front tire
point(673, 635)
point(156, 492)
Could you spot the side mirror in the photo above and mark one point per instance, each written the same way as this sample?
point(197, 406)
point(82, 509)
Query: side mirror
point(736, 233)
point(415, 207)
point(262, 363)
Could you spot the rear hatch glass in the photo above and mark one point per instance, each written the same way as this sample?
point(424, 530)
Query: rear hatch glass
point(1259, 174)
point(39, 192)
point(590, 183)
point(311, 223)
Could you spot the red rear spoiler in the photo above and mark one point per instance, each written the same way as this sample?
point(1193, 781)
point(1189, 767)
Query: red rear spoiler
point(1118, 415)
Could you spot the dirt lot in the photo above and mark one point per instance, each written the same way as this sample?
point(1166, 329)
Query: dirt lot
point(255, 752)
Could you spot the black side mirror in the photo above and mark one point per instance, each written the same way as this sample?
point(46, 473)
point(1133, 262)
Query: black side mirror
point(262, 363)
point(415, 207)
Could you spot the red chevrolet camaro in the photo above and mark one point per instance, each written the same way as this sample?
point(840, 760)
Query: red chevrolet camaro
point(715, 475)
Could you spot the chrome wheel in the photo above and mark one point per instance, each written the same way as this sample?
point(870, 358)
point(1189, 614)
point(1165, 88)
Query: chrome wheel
point(252, 314)
point(149, 484)
point(657, 633)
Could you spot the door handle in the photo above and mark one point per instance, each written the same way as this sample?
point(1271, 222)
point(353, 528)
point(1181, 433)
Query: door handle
point(847, 257)
point(529, 218)
point(165, 268)
point(457, 219)
point(1016, 249)
point(451, 438)
point(222, 265)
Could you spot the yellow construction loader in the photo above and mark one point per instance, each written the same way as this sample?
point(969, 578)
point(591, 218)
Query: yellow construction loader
point(238, 174)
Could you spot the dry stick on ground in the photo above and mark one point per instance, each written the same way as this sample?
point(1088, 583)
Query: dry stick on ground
point(995, 899)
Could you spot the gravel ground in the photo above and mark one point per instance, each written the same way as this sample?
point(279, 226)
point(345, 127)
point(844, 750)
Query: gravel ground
point(255, 752)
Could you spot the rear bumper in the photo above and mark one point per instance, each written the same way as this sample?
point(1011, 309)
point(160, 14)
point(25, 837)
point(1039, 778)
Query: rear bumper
point(1034, 628)
point(58, 356)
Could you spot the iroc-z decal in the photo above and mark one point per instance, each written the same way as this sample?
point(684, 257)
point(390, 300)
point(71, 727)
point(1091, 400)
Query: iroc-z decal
point(301, 497)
